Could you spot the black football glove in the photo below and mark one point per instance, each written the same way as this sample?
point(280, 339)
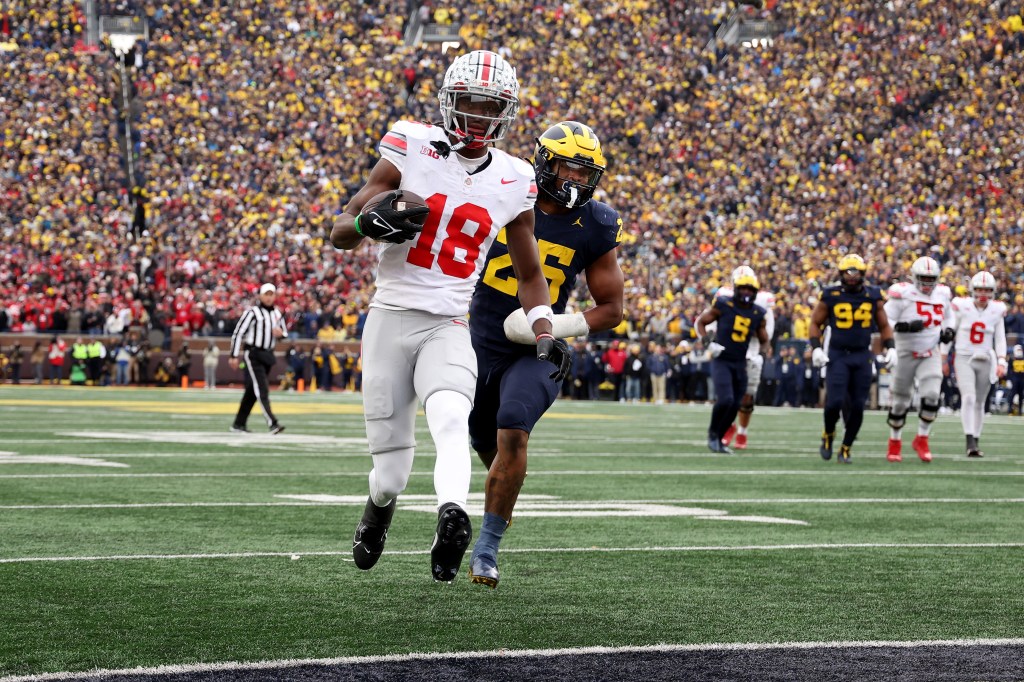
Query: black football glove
point(555, 351)
point(947, 335)
point(912, 327)
point(385, 224)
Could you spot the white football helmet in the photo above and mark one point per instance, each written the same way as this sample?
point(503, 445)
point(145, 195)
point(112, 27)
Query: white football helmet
point(925, 273)
point(478, 78)
point(743, 271)
point(983, 287)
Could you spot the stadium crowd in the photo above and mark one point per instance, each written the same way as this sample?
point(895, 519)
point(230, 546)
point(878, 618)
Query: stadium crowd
point(888, 130)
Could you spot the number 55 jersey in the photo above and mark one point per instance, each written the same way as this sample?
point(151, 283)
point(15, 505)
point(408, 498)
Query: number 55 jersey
point(468, 204)
point(907, 303)
point(568, 243)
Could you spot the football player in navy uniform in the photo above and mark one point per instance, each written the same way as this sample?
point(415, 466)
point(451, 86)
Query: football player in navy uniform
point(1016, 377)
point(739, 320)
point(575, 234)
point(851, 309)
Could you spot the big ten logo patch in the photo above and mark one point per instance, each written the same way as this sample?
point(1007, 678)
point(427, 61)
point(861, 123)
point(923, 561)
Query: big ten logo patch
point(429, 151)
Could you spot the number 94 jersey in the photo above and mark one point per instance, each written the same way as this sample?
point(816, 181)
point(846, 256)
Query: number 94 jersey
point(568, 245)
point(851, 316)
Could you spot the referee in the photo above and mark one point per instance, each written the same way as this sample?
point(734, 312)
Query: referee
point(254, 339)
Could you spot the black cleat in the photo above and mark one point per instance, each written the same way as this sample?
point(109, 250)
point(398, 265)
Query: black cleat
point(483, 570)
point(826, 445)
point(276, 429)
point(235, 428)
point(975, 453)
point(756, 4)
point(844, 454)
point(715, 444)
point(451, 540)
point(371, 534)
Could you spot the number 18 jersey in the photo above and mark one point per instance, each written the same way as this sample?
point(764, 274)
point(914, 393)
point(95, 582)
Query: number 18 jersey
point(437, 271)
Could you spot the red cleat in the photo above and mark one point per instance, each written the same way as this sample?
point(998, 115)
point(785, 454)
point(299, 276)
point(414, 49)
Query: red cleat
point(895, 446)
point(729, 433)
point(741, 441)
point(920, 445)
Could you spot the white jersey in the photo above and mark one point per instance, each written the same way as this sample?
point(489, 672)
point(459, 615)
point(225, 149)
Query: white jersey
point(437, 272)
point(907, 304)
point(978, 330)
point(764, 299)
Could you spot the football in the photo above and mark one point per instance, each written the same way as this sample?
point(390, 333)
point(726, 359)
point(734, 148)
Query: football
point(404, 201)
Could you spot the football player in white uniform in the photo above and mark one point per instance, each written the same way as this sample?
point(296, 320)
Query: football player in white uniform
point(416, 342)
point(755, 361)
point(979, 352)
point(917, 310)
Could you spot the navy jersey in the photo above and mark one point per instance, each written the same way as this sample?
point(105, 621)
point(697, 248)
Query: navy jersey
point(568, 245)
point(852, 316)
point(736, 326)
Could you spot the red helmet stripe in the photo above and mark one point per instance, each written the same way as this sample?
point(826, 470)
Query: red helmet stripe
point(486, 68)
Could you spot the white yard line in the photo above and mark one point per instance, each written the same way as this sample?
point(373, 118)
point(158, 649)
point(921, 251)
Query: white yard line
point(540, 550)
point(577, 472)
point(360, 500)
point(199, 668)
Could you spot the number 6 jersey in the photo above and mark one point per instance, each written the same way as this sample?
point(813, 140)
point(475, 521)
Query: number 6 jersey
point(977, 329)
point(437, 271)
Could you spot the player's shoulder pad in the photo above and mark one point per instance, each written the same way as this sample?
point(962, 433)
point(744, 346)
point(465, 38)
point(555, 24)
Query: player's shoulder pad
point(416, 130)
point(900, 290)
point(831, 291)
point(874, 293)
point(1000, 308)
point(606, 220)
point(765, 299)
point(959, 303)
point(516, 164)
point(944, 291)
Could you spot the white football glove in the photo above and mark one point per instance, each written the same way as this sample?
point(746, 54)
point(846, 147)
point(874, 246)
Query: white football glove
point(756, 362)
point(715, 349)
point(889, 358)
point(818, 357)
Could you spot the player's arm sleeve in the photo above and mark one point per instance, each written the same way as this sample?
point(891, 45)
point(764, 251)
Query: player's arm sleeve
point(769, 322)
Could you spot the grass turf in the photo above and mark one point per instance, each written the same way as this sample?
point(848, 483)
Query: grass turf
point(573, 572)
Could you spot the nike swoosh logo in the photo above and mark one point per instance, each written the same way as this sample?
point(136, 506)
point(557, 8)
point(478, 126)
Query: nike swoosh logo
point(381, 224)
point(505, 182)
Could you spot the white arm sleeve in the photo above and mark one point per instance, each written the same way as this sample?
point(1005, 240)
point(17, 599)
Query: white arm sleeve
point(517, 329)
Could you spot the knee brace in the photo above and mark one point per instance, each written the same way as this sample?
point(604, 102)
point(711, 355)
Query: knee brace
point(929, 409)
point(895, 420)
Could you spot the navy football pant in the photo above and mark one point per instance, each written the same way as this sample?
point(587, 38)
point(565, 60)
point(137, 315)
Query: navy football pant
point(730, 380)
point(847, 383)
point(513, 391)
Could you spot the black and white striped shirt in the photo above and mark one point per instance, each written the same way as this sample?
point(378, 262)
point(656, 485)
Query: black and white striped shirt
point(255, 329)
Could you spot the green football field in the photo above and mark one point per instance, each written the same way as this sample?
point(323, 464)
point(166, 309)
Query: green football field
point(136, 531)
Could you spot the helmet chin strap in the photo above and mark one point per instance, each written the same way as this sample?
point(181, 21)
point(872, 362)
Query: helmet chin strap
point(445, 149)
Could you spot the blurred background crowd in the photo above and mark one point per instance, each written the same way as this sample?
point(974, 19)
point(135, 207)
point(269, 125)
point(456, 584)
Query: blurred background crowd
point(884, 128)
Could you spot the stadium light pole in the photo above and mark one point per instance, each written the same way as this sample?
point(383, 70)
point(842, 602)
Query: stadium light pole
point(123, 44)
